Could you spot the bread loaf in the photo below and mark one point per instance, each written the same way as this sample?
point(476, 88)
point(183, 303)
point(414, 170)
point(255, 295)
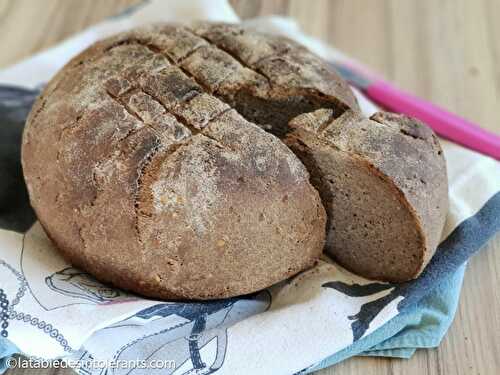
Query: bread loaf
point(152, 162)
point(144, 176)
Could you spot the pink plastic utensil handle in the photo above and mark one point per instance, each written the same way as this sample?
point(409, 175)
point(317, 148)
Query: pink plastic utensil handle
point(444, 123)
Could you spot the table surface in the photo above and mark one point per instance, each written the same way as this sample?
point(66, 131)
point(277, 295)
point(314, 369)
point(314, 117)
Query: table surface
point(444, 51)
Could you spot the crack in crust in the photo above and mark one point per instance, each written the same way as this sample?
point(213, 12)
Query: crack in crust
point(141, 171)
point(230, 53)
point(131, 41)
point(207, 89)
point(189, 54)
point(133, 113)
point(179, 118)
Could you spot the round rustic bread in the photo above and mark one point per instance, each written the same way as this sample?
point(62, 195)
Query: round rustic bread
point(143, 171)
point(384, 186)
point(145, 166)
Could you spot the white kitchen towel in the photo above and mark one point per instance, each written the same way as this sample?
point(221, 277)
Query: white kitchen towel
point(50, 309)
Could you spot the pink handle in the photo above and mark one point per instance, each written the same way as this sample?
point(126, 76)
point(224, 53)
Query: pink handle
point(444, 123)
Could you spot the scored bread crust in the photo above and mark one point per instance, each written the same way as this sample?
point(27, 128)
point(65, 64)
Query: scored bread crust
point(145, 166)
point(142, 172)
point(384, 186)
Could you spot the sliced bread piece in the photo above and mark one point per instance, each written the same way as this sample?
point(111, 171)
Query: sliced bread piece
point(383, 183)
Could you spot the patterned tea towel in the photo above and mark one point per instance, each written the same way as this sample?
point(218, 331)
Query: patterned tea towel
point(319, 317)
